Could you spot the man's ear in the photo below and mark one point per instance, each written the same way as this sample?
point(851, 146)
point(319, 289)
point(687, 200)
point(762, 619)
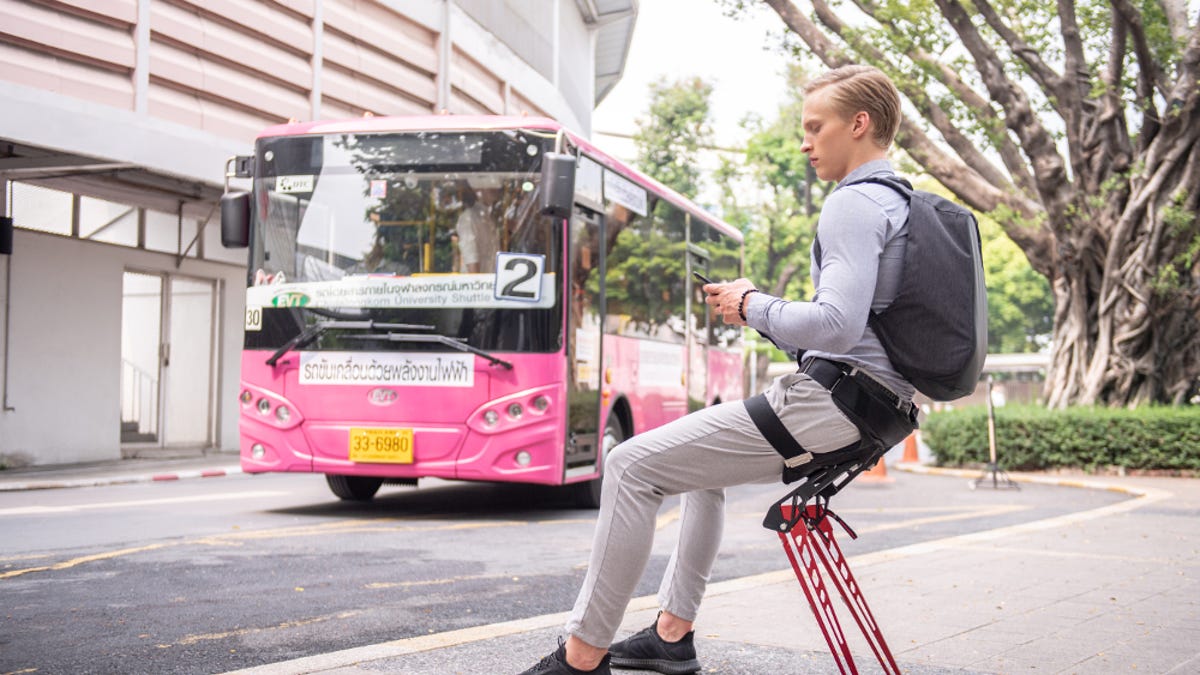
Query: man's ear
point(862, 123)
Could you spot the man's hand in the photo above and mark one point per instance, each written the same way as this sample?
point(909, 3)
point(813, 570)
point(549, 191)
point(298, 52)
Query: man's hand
point(725, 298)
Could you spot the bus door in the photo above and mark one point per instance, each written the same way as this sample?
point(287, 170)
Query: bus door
point(699, 327)
point(584, 324)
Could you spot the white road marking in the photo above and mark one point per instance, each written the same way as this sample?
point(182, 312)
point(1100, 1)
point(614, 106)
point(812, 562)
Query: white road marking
point(72, 508)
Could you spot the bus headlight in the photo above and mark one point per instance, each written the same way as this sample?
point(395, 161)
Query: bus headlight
point(515, 411)
point(541, 403)
point(524, 458)
point(257, 451)
point(491, 417)
point(264, 406)
point(283, 414)
point(246, 397)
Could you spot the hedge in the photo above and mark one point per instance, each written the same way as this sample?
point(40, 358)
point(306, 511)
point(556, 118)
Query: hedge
point(1032, 438)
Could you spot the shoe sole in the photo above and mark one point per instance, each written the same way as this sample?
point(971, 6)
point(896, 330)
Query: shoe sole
point(661, 665)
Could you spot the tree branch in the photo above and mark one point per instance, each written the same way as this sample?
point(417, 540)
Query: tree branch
point(1104, 140)
point(1116, 56)
point(1151, 79)
point(1010, 153)
point(1189, 64)
point(1177, 21)
point(824, 48)
point(1042, 73)
point(1076, 84)
point(1054, 188)
point(1182, 104)
point(958, 141)
point(966, 184)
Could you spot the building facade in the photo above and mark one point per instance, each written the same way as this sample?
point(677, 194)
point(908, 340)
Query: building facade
point(120, 312)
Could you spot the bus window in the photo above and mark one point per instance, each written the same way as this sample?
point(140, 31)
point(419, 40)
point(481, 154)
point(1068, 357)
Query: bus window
point(645, 275)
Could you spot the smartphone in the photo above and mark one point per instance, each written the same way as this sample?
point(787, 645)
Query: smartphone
point(702, 279)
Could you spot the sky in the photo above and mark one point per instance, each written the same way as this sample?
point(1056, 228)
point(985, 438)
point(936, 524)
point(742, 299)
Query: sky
point(679, 39)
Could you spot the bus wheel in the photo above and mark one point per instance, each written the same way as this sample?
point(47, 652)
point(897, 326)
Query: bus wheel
point(353, 488)
point(587, 495)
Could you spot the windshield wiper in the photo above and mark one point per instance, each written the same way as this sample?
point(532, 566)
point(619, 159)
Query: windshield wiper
point(310, 334)
point(456, 343)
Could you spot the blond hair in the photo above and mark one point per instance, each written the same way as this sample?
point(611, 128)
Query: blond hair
point(863, 89)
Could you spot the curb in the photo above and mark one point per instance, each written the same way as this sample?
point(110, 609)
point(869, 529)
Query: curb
point(1038, 479)
point(120, 480)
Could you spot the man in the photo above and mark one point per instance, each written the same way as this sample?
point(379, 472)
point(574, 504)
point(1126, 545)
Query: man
point(850, 119)
point(478, 235)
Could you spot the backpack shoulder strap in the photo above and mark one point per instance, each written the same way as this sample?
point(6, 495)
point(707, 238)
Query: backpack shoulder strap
point(900, 185)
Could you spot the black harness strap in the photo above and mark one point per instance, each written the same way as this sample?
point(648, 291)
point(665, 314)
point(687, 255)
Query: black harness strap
point(772, 429)
point(882, 419)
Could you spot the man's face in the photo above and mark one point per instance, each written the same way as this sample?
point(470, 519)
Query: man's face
point(827, 136)
point(488, 196)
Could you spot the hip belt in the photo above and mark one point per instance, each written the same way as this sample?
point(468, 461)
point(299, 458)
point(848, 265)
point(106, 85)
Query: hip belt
point(883, 419)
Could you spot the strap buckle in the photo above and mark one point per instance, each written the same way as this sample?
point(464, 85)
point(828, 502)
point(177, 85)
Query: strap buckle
point(798, 460)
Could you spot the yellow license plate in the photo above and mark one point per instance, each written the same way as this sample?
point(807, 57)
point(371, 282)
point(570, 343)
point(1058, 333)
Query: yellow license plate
point(381, 446)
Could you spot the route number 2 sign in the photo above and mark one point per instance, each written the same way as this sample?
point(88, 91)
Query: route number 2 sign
point(519, 276)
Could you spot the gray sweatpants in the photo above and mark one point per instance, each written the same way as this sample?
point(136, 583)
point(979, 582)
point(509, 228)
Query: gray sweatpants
point(697, 456)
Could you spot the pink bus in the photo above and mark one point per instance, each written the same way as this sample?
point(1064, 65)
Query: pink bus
point(468, 298)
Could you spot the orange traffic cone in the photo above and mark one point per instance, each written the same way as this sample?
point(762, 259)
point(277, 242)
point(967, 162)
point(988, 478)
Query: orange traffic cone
point(877, 474)
point(910, 449)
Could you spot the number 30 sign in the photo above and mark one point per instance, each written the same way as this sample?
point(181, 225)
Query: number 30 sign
point(519, 276)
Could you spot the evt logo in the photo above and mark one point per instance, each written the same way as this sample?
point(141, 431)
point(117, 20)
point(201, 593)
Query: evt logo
point(290, 299)
point(381, 396)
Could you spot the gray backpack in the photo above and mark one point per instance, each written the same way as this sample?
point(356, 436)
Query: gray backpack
point(935, 331)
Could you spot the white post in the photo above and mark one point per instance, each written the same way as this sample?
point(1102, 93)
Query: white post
point(753, 367)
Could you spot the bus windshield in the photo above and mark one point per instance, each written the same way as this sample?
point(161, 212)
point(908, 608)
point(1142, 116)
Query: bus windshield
point(437, 229)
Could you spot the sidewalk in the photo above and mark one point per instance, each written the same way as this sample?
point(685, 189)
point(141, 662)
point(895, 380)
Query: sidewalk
point(119, 471)
point(1112, 590)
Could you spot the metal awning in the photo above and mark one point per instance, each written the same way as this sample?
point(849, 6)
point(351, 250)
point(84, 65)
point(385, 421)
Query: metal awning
point(614, 21)
point(120, 182)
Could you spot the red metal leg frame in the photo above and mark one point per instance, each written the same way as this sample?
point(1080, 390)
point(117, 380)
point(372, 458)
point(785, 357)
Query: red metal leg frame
point(803, 549)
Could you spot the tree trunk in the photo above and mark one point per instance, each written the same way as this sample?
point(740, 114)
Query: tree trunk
point(1127, 284)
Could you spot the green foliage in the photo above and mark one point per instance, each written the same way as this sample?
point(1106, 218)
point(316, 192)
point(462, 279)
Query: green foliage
point(669, 139)
point(1032, 438)
point(647, 263)
point(647, 282)
point(780, 221)
point(1180, 222)
point(1020, 302)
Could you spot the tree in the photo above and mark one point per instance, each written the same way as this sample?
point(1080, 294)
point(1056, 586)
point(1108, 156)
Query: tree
point(670, 139)
point(647, 268)
point(1075, 125)
point(780, 221)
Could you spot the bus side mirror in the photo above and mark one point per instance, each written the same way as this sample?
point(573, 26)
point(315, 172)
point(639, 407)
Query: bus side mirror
point(235, 219)
point(6, 235)
point(558, 184)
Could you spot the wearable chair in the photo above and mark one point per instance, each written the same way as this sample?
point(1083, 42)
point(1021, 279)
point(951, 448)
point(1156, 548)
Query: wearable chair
point(805, 530)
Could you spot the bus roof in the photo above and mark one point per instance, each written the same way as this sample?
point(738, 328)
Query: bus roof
point(493, 123)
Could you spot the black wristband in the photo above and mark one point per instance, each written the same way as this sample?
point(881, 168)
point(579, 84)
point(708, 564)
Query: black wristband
point(742, 303)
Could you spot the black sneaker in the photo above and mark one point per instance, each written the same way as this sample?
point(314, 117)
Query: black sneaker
point(645, 650)
point(556, 664)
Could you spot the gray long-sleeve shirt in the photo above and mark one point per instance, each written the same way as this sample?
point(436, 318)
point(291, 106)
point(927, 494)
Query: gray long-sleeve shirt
point(863, 234)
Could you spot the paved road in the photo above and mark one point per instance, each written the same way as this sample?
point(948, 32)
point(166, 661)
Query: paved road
point(211, 575)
